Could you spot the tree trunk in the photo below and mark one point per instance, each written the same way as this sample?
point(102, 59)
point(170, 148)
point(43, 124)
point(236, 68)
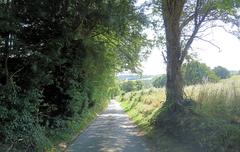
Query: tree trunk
point(6, 59)
point(172, 10)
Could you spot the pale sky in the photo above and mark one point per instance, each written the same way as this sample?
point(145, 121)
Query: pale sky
point(228, 56)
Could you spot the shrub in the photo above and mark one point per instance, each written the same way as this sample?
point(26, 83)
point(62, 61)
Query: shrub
point(221, 72)
point(160, 81)
point(129, 86)
point(195, 72)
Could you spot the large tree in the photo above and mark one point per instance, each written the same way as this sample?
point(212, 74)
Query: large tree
point(184, 21)
point(172, 11)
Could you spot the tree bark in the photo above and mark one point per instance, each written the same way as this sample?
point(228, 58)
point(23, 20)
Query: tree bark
point(6, 59)
point(172, 10)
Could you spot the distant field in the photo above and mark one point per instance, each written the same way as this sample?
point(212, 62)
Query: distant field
point(216, 123)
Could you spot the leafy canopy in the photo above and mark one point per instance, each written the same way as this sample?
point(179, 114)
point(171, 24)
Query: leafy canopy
point(195, 72)
point(221, 72)
point(58, 59)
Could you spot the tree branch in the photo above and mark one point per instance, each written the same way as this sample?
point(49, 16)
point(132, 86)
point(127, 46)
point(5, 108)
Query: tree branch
point(213, 44)
point(197, 25)
point(187, 21)
point(164, 57)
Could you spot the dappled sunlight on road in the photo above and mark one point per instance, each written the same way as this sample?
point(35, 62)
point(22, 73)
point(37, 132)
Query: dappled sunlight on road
point(112, 131)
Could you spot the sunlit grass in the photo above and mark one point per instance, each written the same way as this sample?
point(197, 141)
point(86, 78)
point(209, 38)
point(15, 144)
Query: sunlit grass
point(141, 105)
point(217, 100)
point(217, 106)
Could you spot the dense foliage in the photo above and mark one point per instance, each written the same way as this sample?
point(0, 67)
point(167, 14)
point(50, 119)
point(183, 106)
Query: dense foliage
point(58, 58)
point(160, 81)
point(221, 72)
point(195, 72)
point(128, 86)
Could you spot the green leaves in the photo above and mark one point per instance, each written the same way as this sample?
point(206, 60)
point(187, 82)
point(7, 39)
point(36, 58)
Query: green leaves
point(62, 56)
point(160, 81)
point(195, 72)
point(228, 5)
point(221, 72)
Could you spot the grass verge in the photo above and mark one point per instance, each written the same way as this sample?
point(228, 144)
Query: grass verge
point(213, 126)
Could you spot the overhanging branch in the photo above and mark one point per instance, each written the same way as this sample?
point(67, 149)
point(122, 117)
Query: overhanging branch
point(198, 20)
point(213, 44)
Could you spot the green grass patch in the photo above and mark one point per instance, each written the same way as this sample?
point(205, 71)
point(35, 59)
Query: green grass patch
point(213, 123)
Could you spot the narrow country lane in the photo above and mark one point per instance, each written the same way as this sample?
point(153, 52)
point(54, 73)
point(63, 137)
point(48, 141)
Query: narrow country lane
point(112, 131)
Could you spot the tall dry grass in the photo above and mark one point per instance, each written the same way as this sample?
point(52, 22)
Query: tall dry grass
point(220, 100)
